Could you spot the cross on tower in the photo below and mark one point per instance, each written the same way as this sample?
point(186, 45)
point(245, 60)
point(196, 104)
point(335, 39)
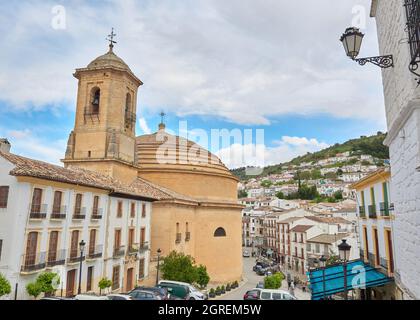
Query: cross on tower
point(111, 39)
point(162, 116)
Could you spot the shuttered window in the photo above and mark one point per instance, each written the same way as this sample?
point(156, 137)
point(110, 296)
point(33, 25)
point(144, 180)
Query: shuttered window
point(4, 195)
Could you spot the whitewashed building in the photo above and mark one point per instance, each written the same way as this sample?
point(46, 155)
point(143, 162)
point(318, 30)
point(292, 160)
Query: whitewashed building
point(396, 21)
point(46, 211)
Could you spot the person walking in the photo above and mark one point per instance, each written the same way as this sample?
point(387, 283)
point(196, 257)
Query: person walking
point(292, 288)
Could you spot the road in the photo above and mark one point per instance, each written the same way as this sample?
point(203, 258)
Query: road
point(251, 280)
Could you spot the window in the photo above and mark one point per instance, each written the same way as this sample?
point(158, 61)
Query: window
point(52, 247)
point(117, 239)
point(220, 232)
point(376, 247)
point(317, 248)
point(92, 241)
point(96, 99)
point(78, 204)
point(141, 268)
point(390, 253)
point(89, 279)
point(366, 242)
point(95, 210)
point(308, 247)
point(119, 209)
point(133, 210)
point(1, 246)
point(4, 195)
point(74, 244)
point(143, 210)
point(31, 248)
point(142, 237)
point(115, 277)
point(58, 195)
point(301, 237)
point(36, 201)
point(131, 237)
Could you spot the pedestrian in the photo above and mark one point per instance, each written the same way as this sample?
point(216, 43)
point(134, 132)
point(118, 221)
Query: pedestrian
point(292, 288)
point(288, 284)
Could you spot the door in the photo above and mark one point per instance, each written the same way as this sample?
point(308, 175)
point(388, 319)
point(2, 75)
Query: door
point(390, 252)
point(92, 241)
point(130, 238)
point(31, 246)
point(52, 247)
point(57, 202)
point(117, 239)
point(89, 279)
point(74, 243)
point(376, 245)
point(36, 201)
point(78, 204)
point(71, 278)
point(130, 275)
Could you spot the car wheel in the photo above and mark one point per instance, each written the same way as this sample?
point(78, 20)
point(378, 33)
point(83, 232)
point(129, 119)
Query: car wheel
point(191, 298)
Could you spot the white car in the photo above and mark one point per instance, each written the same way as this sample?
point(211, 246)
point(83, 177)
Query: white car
point(274, 294)
point(246, 254)
point(90, 297)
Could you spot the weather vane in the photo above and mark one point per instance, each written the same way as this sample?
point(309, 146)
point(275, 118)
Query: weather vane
point(111, 39)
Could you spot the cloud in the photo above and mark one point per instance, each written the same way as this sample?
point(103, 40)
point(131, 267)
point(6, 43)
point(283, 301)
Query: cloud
point(144, 127)
point(27, 143)
point(284, 150)
point(244, 61)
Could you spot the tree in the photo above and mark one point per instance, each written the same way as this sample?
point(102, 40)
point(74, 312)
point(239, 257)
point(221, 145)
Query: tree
point(242, 194)
point(5, 287)
point(333, 259)
point(104, 283)
point(274, 281)
point(280, 195)
point(202, 276)
point(316, 174)
point(266, 184)
point(339, 172)
point(48, 282)
point(179, 267)
point(338, 195)
point(33, 289)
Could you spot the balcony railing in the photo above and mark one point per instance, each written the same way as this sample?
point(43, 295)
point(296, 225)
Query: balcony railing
point(79, 213)
point(362, 211)
point(95, 252)
point(75, 256)
point(144, 246)
point(97, 214)
point(187, 236)
point(59, 212)
point(119, 252)
point(384, 209)
point(56, 258)
point(38, 211)
point(372, 211)
point(33, 262)
point(178, 238)
point(133, 248)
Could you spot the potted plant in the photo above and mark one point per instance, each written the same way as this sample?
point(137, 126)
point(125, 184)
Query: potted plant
point(212, 293)
point(228, 288)
point(236, 284)
point(223, 289)
point(218, 291)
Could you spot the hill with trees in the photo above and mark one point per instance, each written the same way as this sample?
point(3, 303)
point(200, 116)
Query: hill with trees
point(372, 145)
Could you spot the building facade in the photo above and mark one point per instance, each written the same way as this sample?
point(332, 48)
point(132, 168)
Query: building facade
point(398, 20)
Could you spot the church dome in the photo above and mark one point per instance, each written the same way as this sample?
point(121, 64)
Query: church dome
point(182, 165)
point(108, 60)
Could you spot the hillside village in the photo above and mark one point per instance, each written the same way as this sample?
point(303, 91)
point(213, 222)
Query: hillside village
point(303, 211)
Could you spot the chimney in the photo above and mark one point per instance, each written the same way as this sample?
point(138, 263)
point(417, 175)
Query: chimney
point(4, 145)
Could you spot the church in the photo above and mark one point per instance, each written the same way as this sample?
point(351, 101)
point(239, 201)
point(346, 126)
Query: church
point(200, 214)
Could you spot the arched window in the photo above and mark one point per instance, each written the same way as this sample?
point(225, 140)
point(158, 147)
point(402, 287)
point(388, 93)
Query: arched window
point(96, 99)
point(220, 232)
point(129, 115)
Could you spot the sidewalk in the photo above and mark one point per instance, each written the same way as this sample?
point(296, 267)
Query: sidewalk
point(299, 293)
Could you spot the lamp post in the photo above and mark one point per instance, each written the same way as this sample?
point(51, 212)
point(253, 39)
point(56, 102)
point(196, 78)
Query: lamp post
point(158, 261)
point(82, 245)
point(323, 261)
point(352, 41)
point(344, 250)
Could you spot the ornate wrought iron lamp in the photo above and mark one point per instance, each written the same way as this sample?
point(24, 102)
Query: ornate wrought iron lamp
point(352, 41)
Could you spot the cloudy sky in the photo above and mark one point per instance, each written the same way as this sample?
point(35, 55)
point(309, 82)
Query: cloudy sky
point(275, 65)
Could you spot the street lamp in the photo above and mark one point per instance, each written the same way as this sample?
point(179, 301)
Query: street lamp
point(158, 261)
point(352, 41)
point(82, 245)
point(344, 250)
point(323, 261)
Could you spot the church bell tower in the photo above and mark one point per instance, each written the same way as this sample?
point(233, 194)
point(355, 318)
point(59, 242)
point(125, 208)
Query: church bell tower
point(104, 137)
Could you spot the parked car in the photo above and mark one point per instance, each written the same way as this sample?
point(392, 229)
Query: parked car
point(261, 271)
point(252, 295)
point(90, 297)
point(183, 290)
point(119, 297)
point(162, 292)
point(144, 295)
point(55, 298)
point(246, 254)
point(274, 294)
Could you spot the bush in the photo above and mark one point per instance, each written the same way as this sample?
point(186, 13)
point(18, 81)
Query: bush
point(48, 282)
point(274, 281)
point(202, 276)
point(33, 289)
point(5, 287)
